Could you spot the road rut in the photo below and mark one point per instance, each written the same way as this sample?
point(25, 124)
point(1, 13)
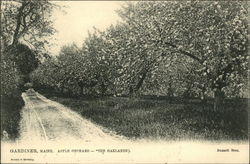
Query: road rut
point(46, 120)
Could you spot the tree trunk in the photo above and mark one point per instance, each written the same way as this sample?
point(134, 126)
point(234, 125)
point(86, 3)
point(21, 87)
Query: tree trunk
point(139, 84)
point(103, 88)
point(203, 97)
point(218, 99)
point(81, 90)
point(18, 23)
point(61, 90)
point(131, 90)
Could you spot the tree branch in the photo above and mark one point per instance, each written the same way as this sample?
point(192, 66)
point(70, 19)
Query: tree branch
point(174, 46)
point(185, 52)
point(18, 23)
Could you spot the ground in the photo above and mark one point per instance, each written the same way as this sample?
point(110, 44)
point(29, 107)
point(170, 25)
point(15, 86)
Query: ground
point(159, 118)
point(61, 130)
point(42, 119)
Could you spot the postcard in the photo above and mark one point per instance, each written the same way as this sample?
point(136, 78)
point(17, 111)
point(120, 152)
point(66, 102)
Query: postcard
point(124, 81)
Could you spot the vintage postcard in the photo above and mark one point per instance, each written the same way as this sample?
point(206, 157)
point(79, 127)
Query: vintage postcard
point(124, 81)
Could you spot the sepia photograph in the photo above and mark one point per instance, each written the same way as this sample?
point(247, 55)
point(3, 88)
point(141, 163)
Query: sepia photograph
point(124, 81)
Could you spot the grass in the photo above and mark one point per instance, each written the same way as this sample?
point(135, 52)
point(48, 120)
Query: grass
point(160, 119)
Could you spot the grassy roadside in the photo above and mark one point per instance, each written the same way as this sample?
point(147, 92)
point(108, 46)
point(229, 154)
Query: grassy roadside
point(10, 116)
point(145, 118)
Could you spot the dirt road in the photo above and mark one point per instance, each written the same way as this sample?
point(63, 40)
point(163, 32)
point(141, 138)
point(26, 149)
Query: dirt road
point(46, 120)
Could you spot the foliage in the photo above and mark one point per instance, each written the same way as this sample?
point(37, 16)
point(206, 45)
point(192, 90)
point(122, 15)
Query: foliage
point(213, 34)
point(24, 25)
point(25, 58)
point(190, 49)
point(27, 21)
point(10, 79)
point(10, 96)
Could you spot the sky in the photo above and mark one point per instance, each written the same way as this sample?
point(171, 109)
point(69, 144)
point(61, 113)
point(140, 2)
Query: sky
point(76, 18)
